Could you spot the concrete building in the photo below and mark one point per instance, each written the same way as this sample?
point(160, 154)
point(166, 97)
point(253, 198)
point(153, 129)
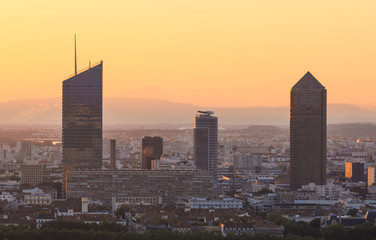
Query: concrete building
point(329, 190)
point(206, 141)
point(32, 174)
point(112, 154)
point(245, 162)
point(253, 187)
point(6, 196)
point(170, 186)
point(371, 176)
point(151, 148)
point(171, 163)
point(307, 132)
point(36, 196)
point(224, 203)
point(25, 151)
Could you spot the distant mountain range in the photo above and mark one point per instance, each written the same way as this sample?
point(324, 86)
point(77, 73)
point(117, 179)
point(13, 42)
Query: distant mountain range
point(128, 111)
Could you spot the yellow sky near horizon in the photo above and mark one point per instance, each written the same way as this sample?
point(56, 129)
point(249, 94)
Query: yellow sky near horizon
point(205, 52)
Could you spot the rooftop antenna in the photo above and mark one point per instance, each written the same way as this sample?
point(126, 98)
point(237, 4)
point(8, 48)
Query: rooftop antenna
point(75, 56)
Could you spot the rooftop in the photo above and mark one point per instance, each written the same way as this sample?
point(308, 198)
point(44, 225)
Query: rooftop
point(308, 81)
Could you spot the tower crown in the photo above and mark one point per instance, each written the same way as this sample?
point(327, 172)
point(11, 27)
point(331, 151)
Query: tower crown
point(308, 81)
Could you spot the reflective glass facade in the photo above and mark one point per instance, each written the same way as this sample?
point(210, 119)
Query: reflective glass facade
point(307, 132)
point(82, 119)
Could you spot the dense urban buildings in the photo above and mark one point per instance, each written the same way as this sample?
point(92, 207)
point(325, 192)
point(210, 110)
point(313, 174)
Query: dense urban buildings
point(206, 141)
point(138, 186)
point(82, 119)
point(151, 148)
point(307, 132)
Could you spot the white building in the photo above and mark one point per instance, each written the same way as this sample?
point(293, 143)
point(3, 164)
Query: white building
point(224, 203)
point(329, 190)
point(253, 187)
point(36, 196)
point(5, 196)
point(171, 163)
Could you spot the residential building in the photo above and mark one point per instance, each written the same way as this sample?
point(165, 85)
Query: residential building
point(32, 174)
point(165, 186)
point(224, 203)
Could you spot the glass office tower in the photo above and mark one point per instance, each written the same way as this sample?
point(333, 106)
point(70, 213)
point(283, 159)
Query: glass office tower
point(307, 132)
point(206, 141)
point(82, 119)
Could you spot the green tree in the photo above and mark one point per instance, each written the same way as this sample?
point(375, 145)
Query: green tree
point(334, 232)
point(352, 212)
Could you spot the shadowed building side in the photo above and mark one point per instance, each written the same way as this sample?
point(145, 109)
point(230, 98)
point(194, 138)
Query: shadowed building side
point(113, 154)
point(82, 119)
point(307, 132)
point(151, 148)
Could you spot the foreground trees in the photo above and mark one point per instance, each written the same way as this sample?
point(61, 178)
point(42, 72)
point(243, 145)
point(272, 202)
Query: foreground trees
point(109, 231)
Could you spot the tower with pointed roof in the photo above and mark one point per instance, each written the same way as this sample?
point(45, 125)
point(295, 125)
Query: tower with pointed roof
point(307, 132)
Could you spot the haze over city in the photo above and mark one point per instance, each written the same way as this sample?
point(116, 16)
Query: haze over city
point(191, 119)
point(207, 53)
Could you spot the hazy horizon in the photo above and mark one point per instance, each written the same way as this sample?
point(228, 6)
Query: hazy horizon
point(362, 106)
point(125, 111)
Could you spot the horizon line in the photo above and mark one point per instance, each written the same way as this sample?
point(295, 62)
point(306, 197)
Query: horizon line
point(171, 101)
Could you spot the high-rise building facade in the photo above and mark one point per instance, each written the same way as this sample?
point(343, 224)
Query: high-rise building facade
point(82, 119)
point(307, 132)
point(371, 176)
point(25, 151)
point(205, 135)
point(151, 148)
point(354, 171)
point(348, 169)
point(32, 174)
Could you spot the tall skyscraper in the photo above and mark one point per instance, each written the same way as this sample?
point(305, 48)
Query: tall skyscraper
point(151, 148)
point(82, 118)
point(354, 171)
point(307, 132)
point(206, 141)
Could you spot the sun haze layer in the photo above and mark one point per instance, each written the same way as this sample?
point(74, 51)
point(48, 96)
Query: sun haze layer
point(208, 53)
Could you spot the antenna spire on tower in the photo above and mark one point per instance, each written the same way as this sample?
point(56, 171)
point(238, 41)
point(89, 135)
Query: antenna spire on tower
point(75, 56)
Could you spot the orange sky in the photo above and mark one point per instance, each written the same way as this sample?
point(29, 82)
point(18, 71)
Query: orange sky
point(204, 52)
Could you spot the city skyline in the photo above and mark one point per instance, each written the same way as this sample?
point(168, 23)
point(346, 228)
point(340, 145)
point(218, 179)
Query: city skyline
point(149, 56)
point(198, 127)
